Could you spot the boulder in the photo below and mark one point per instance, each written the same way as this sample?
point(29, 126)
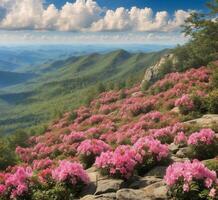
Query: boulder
point(206, 121)
point(158, 172)
point(152, 72)
point(108, 185)
point(156, 191)
point(173, 147)
point(131, 194)
point(182, 153)
point(144, 181)
point(176, 159)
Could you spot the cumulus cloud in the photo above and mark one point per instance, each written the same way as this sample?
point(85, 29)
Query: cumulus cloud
point(85, 15)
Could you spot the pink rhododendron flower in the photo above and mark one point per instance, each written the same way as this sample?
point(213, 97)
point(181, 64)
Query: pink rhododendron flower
point(205, 136)
point(152, 146)
point(120, 163)
point(18, 182)
point(188, 172)
point(92, 146)
point(185, 101)
point(70, 172)
point(180, 138)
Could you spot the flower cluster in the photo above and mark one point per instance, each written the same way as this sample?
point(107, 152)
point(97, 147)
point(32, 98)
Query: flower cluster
point(205, 136)
point(89, 149)
point(72, 173)
point(180, 138)
point(185, 103)
point(120, 163)
point(92, 146)
point(149, 145)
point(73, 137)
point(42, 164)
point(17, 183)
point(166, 134)
point(203, 144)
point(186, 174)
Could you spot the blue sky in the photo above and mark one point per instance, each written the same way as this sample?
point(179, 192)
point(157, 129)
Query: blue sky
point(95, 21)
point(156, 5)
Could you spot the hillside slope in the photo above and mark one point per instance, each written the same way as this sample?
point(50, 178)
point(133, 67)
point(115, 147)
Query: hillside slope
point(122, 144)
point(66, 81)
point(13, 78)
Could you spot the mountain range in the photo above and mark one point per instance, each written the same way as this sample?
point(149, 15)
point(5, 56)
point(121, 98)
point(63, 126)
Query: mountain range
point(37, 96)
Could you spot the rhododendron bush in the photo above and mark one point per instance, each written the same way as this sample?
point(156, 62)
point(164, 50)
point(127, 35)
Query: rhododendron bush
point(89, 149)
point(203, 144)
point(191, 180)
point(120, 163)
point(149, 153)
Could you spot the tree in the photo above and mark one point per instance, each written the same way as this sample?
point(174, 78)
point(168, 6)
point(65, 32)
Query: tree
point(202, 28)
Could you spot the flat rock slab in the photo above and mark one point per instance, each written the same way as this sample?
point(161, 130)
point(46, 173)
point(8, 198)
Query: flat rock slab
point(131, 194)
point(144, 181)
point(108, 185)
point(206, 121)
point(156, 191)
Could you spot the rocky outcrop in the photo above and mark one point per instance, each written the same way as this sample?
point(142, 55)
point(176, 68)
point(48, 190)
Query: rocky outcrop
point(206, 121)
point(152, 72)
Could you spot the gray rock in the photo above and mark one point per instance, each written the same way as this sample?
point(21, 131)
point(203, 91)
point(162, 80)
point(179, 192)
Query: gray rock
point(176, 159)
point(108, 185)
point(144, 181)
point(88, 197)
point(158, 172)
point(152, 72)
point(156, 191)
point(206, 121)
point(131, 194)
point(182, 153)
point(107, 196)
point(173, 147)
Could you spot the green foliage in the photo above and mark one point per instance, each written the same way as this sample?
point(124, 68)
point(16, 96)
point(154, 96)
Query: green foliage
point(197, 191)
point(202, 151)
point(57, 192)
point(166, 68)
point(145, 85)
point(212, 102)
point(212, 164)
point(7, 156)
point(203, 46)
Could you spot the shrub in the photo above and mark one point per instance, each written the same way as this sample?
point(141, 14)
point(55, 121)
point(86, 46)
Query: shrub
point(149, 153)
point(71, 174)
point(185, 104)
point(203, 144)
point(88, 150)
point(191, 179)
point(118, 164)
point(17, 185)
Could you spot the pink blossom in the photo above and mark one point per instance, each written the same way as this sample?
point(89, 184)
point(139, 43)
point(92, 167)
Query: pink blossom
point(185, 101)
point(121, 162)
point(189, 171)
point(72, 172)
point(180, 138)
point(205, 136)
point(92, 146)
point(152, 146)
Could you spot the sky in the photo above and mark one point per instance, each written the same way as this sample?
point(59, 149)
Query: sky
point(95, 21)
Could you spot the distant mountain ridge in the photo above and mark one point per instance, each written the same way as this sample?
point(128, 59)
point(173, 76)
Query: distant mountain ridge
point(62, 82)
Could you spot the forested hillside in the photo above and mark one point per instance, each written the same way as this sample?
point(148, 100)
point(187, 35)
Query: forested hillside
point(76, 79)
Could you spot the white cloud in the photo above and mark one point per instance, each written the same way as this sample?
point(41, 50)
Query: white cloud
point(85, 15)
